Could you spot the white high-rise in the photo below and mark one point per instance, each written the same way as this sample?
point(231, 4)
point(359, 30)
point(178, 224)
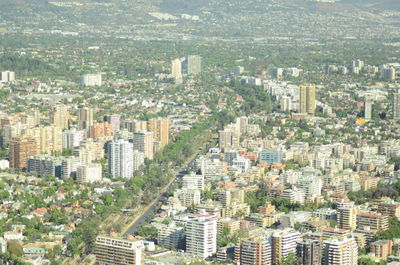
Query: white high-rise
point(340, 251)
point(193, 181)
point(201, 235)
point(396, 106)
point(120, 159)
point(7, 76)
point(368, 110)
point(72, 138)
point(91, 80)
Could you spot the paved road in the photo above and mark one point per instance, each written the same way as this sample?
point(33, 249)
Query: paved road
point(150, 210)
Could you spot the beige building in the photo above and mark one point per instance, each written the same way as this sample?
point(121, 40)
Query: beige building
point(307, 99)
point(59, 116)
point(160, 129)
point(113, 250)
point(48, 138)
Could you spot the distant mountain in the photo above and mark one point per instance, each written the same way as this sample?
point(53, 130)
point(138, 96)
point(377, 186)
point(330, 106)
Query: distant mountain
point(218, 18)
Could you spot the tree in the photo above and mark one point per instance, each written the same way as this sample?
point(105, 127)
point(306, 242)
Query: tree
point(291, 259)
point(15, 248)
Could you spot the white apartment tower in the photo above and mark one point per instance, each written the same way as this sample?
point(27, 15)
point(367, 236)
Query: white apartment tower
point(396, 106)
point(340, 251)
point(91, 80)
point(201, 235)
point(120, 159)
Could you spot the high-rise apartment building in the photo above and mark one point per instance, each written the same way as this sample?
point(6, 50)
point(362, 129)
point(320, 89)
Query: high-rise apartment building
point(253, 251)
point(171, 236)
point(176, 69)
point(91, 80)
point(340, 251)
point(284, 242)
point(89, 173)
point(114, 120)
point(143, 142)
point(368, 110)
point(396, 106)
point(20, 149)
point(160, 129)
point(85, 118)
point(372, 220)
point(388, 73)
point(347, 218)
point(120, 158)
point(7, 76)
point(135, 125)
point(44, 165)
point(193, 181)
point(309, 252)
point(307, 99)
point(193, 65)
point(72, 138)
point(113, 250)
point(59, 116)
point(229, 138)
point(100, 130)
point(48, 138)
point(201, 235)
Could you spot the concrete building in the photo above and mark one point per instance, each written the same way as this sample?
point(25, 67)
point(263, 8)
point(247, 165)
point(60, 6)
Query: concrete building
point(382, 248)
point(307, 99)
point(7, 76)
point(160, 129)
point(48, 138)
point(100, 130)
point(201, 235)
point(20, 149)
point(113, 250)
point(171, 236)
point(368, 110)
point(193, 181)
point(114, 120)
point(91, 80)
point(229, 139)
point(396, 106)
point(120, 158)
point(340, 251)
point(192, 65)
point(85, 118)
point(188, 197)
point(72, 138)
point(347, 218)
point(59, 116)
point(135, 125)
point(44, 165)
point(176, 69)
point(270, 156)
point(143, 142)
point(284, 242)
point(89, 173)
point(309, 252)
point(375, 221)
point(294, 195)
point(253, 251)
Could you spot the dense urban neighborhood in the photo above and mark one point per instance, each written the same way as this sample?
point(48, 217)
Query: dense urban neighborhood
point(216, 132)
